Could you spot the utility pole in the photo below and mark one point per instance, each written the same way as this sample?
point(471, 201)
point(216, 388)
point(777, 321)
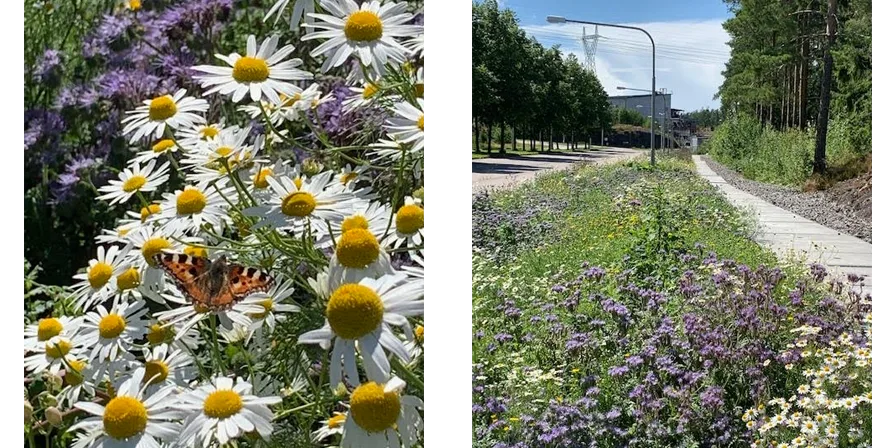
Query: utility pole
point(821, 134)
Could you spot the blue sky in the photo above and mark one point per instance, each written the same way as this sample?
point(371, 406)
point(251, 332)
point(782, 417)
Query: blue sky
point(691, 44)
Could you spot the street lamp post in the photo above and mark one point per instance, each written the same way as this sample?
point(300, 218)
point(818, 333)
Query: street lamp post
point(663, 114)
point(559, 19)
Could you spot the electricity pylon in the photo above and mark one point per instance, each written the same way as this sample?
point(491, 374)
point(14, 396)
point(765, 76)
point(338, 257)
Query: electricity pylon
point(590, 44)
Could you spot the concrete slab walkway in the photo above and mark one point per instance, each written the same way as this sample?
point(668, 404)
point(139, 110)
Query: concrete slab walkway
point(787, 233)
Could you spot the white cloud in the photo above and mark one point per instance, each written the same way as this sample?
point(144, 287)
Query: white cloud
point(690, 57)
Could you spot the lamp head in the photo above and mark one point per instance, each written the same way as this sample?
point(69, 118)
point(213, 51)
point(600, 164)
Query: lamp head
point(556, 19)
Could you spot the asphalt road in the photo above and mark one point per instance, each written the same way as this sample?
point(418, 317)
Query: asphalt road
point(510, 171)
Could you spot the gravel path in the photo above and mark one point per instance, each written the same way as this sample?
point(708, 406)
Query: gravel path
point(810, 205)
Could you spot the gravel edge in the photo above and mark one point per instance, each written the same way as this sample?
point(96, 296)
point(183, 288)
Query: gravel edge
point(816, 206)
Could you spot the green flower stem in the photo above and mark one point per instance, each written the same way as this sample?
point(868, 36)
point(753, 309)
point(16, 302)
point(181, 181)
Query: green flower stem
point(407, 375)
point(282, 414)
point(213, 328)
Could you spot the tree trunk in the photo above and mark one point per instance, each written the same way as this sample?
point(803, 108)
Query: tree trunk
point(513, 136)
point(502, 139)
point(489, 130)
point(821, 131)
point(541, 140)
point(477, 135)
point(804, 79)
point(551, 140)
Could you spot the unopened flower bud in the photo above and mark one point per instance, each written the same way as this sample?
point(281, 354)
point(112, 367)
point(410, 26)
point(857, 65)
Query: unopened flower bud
point(340, 391)
point(418, 194)
point(53, 416)
point(311, 167)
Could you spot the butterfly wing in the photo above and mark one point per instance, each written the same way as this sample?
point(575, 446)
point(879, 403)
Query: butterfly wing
point(240, 281)
point(187, 271)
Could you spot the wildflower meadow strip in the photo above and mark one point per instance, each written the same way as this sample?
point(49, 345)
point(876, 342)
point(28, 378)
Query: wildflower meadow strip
point(248, 295)
point(594, 334)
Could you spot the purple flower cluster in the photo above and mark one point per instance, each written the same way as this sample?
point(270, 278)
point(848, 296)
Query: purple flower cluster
point(675, 366)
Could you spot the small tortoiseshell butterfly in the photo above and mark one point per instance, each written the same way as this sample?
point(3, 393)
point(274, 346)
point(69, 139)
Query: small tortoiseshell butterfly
point(216, 285)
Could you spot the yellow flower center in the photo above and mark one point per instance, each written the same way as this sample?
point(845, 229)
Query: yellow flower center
point(409, 219)
point(58, 349)
point(190, 201)
point(369, 91)
point(299, 204)
point(163, 145)
point(156, 372)
point(129, 279)
point(194, 251)
point(357, 248)
point(145, 212)
point(222, 404)
point(363, 26)
point(158, 334)
point(73, 376)
point(208, 132)
point(418, 332)
point(162, 108)
point(267, 304)
point(249, 69)
point(224, 151)
point(152, 247)
point(336, 420)
point(289, 102)
point(354, 222)
point(260, 180)
point(354, 310)
point(124, 417)
point(420, 123)
point(99, 275)
point(134, 4)
point(111, 326)
point(133, 184)
point(47, 328)
point(374, 409)
point(418, 89)
point(348, 177)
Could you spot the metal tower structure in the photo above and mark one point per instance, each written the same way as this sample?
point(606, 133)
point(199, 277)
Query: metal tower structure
point(590, 44)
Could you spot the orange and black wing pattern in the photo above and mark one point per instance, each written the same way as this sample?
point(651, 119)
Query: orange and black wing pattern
point(186, 270)
point(244, 281)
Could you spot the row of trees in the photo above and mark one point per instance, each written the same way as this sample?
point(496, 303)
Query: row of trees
point(796, 63)
point(532, 90)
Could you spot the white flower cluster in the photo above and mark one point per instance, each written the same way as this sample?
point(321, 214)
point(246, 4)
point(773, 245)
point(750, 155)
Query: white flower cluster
point(175, 324)
point(835, 396)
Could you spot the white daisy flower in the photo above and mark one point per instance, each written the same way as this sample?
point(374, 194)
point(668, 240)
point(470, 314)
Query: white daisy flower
point(53, 354)
point(258, 179)
point(261, 71)
point(37, 334)
point(225, 411)
point(358, 255)
point(159, 148)
point(414, 345)
point(225, 144)
point(189, 314)
point(192, 136)
point(362, 313)
point(134, 179)
point(191, 207)
point(161, 332)
point(76, 382)
point(129, 420)
point(94, 286)
point(112, 333)
point(273, 304)
point(155, 115)
point(407, 126)
point(147, 243)
point(329, 427)
point(166, 365)
point(368, 32)
point(415, 45)
point(299, 9)
point(293, 206)
point(408, 222)
point(373, 216)
point(379, 415)
point(349, 177)
point(362, 96)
